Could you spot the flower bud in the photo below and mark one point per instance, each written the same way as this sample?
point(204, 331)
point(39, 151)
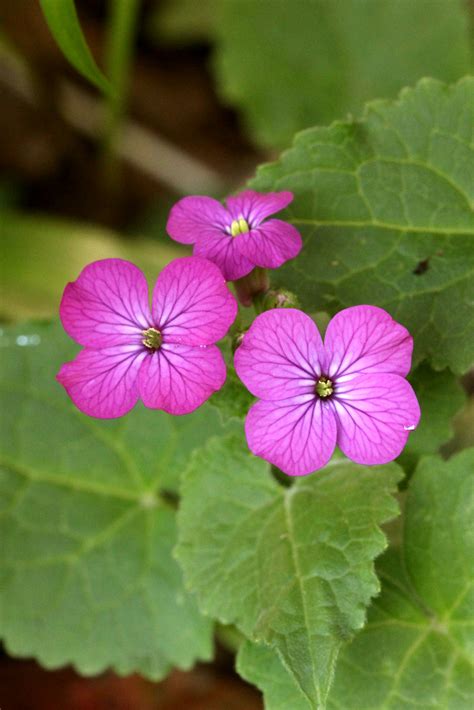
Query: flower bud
point(254, 284)
point(280, 298)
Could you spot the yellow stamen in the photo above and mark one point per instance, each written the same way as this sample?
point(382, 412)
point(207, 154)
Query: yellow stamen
point(239, 226)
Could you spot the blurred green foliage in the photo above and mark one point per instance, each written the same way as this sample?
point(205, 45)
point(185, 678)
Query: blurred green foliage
point(291, 65)
point(39, 255)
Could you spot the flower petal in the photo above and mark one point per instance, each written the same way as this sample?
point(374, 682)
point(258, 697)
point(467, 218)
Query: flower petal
point(191, 215)
point(255, 206)
point(107, 305)
point(271, 244)
point(103, 383)
point(367, 339)
point(375, 416)
point(222, 250)
point(179, 378)
point(280, 355)
point(296, 435)
point(192, 304)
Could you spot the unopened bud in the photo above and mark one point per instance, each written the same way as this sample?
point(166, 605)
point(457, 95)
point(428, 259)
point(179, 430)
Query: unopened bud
point(280, 298)
point(252, 285)
point(237, 340)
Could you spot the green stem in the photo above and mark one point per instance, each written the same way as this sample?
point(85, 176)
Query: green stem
point(123, 15)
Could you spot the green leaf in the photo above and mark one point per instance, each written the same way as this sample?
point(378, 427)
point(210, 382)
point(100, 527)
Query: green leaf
point(385, 208)
point(87, 522)
point(263, 666)
point(292, 65)
point(463, 425)
point(292, 567)
point(416, 650)
point(63, 22)
point(441, 396)
point(233, 401)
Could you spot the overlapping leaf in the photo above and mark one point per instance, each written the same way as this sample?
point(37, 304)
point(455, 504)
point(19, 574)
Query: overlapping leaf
point(87, 523)
point(385, 206)
point(292, 567)
point(291, 65)
point(416, 649)
point(441, 396)
point(263, 666)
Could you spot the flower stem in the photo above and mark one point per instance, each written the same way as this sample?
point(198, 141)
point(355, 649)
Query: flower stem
point(123, 15)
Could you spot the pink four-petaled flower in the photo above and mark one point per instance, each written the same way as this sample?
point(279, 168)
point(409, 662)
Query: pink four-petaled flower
point(350, 391)
point(166, 356)
point(237, 238)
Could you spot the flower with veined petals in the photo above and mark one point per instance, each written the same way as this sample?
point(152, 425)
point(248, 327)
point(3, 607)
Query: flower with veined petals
point(164, 355)
point(237, 238)
point(350, 391)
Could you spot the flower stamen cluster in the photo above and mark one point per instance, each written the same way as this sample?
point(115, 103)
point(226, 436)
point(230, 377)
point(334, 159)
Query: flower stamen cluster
point(153, 338)
point(239, 226)
point(324, 387)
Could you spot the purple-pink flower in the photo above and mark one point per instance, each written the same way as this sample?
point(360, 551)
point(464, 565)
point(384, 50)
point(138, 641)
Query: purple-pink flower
point(164, 355)
point(350, 391)
point(237, 238)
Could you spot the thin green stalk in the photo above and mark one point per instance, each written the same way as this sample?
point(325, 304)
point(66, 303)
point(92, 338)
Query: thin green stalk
point(123, 15)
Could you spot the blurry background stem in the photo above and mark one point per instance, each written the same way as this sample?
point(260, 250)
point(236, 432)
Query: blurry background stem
point(119, 46)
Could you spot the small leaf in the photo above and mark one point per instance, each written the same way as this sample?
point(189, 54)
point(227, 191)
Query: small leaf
point(376, 198)
point(292, 567)
point(87, 522)
point(63, 22)
point(289, 65)
point(233, 401)
point(416, 649)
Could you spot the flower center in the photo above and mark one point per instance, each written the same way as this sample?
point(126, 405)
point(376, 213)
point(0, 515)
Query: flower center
point(324, 387)
point(239, 226)
point(152, 339)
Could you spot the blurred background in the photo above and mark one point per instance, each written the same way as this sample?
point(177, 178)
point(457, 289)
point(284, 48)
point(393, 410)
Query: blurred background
point(204, 91)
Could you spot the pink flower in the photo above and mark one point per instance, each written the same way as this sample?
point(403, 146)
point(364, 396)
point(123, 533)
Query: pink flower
point(165, 356)
point(237, 238)
point(349, 391)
